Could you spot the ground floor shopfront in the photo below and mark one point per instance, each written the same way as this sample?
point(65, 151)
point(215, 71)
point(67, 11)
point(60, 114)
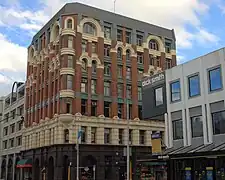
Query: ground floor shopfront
point(197, 166)
point(100, 162)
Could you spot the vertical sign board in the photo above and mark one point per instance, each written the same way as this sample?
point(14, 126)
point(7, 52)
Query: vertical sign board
point(188, 173)
point(156, 143)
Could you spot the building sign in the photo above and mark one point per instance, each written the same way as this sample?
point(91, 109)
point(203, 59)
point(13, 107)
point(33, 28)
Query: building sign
point(152, 80)
point(156, 143)
point(188, 173)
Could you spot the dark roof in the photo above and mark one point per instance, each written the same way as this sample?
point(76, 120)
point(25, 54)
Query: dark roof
point(79, 8)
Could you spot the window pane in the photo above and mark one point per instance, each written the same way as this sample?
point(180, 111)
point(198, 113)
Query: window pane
point(175, 91)
point(69, 82)
point(70, 42)
point(159, 96)
point(196, 126)
point(218, 122)
point(177, 129)
point(70, 61)
point(215, 79)
point(194, 86)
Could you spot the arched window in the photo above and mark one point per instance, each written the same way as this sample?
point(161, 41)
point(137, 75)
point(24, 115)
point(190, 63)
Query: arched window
point(66, 136)
point(119, 53)
point(90, 28)
point(69, 24)
point(94, 67)
point(128, 55)
point(153, 44)
point(84, 65)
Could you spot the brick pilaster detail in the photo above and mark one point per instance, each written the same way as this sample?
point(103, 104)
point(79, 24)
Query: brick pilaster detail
point(45, 88)
point(146, 60)
point(124, 36)
point(50, 95)
point(124, 114)
point(100, 91)
point(37, 93)
point(89, 91)
point(114, 105)
point(57, 92)
point(77, 100)
point(174, 60)
point(163, 61)
point(134, 90)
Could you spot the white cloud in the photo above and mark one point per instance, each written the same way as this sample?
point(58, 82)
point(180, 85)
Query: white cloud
point(12, 56)
point(203, 37)
point(4, 80)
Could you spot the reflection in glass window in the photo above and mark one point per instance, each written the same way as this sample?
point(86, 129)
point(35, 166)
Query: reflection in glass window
point(218, 120)
point(215, 80)
point(194, 85)
point(159, 96)
point(177, 129)
point(90, 28)
point(196, 126)
point(175, 91)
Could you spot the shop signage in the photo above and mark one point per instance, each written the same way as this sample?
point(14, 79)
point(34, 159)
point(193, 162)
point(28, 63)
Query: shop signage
point(153, 80)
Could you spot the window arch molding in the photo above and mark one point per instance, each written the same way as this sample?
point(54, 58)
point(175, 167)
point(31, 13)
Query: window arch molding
point(99, 32)
point(31, 53)
point(89, 60)
point(54, 29)
point(66, 23)
point(158, 40)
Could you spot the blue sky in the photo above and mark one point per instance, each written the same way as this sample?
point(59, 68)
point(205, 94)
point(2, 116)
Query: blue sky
point(199, 26)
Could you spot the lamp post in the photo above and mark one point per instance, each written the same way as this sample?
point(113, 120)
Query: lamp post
point(128, 140)
point(69, 171)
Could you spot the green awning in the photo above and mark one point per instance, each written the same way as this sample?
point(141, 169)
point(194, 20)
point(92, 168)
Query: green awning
point(24, 163)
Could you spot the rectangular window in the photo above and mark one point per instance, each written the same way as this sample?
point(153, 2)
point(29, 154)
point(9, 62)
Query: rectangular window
point(93, 134)
point(128, 73)
point(68, 108)
point(70, 41)
point(175, 91)
point(141, 137)
point(177, 129)
point(19, 141)
point(139, 93)
point(215, 79)
point(194, 85)
point(84, 85)
point(128, 91)
point(5, 131)
point(11, 142)
point(120, 90)
point(69, 82)
point(106, 50)
point(94, 47)
point(83, 134)
point(107, 32)
point(128, 37)
point(120, 71)
point(12, 128)
point(168, 47)
point(5, 144)
point(119, 35)
point(121, 131)
point(139, 40)
point(130, 136)
point(70, 61)
point(107, 88)
point(83, 106)
point(93, 108)
point(196, 126)
point(159, 96)
point(84, 45)
point(19, 125)
point(93, 86)
point(140, 58)
point(106, 136)
point(218, 120)
point(168, 63)
point(107, 69)
point(107, 109)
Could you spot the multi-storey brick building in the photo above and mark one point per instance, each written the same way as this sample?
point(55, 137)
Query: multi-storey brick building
point(11, 132)
point(86, 61)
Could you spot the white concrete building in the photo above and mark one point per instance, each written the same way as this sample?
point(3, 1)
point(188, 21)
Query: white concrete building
point(196, 103)
point(11, 132)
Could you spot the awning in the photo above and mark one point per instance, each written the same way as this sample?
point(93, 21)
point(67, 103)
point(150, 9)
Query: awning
point(24, 163)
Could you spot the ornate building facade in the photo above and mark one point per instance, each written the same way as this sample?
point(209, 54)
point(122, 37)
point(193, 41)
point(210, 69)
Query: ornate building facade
point(84, 70)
